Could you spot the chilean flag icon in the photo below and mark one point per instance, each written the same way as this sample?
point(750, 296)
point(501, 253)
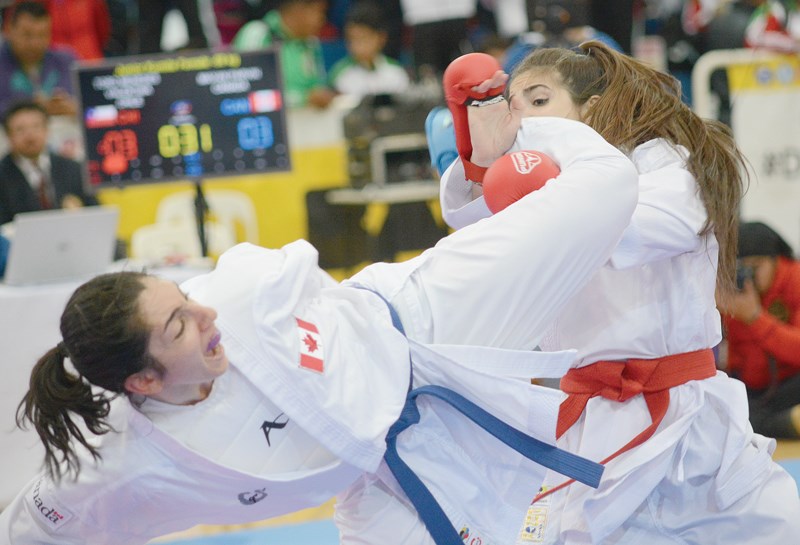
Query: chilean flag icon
point(311, 354)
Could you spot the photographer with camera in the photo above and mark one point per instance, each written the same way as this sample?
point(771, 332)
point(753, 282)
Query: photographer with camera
point(762, 323)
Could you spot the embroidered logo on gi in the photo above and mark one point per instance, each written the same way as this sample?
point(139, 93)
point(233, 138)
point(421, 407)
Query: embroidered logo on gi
point(525, 162)
point(469, 538)
point(312, 356)
point(536, 520)
point(55, 516)
point(251, 498)
point(268, 426)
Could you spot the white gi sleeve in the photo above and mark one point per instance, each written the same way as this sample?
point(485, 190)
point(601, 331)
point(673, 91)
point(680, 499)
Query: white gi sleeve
point(667, 220)
point(501, 281)
point(459, 209)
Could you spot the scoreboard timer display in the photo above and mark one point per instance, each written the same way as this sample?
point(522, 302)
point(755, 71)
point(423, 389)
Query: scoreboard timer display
point(197, 115)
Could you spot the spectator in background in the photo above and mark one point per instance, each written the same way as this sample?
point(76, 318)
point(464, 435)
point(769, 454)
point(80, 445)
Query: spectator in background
point(762, 323)
point(439, 32)
point(123, 17)
point(556, 23)
point(30, 68)
point(615, 19)
point(31, 176)
point(696, 14)
point(201, 25)
point(366, 70)
point(497, 47)
point(84, 26)
point(231, 15)
point(396, 45)
point(295, 24)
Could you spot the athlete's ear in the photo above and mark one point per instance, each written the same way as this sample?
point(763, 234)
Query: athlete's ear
point(587, 106)
point(146, 382)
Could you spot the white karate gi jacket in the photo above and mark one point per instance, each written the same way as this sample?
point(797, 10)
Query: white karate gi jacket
point(149, 484)
point(486, 285)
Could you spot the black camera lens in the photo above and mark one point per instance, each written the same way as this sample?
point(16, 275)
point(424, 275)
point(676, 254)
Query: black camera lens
point(743, 273)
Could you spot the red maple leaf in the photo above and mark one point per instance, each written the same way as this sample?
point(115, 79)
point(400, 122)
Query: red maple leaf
point(310, 342)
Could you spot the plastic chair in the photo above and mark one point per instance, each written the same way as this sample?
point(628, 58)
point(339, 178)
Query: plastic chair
point(178, 239)
point(229, 207)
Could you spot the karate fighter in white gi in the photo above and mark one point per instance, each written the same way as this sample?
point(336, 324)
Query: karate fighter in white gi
point(682, 462)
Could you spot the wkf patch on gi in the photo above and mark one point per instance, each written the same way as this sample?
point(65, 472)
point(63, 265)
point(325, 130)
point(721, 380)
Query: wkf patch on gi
point(312, 355)
point(469, 537)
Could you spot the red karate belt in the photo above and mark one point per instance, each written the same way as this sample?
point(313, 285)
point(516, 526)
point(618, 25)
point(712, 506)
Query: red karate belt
point(623, 380)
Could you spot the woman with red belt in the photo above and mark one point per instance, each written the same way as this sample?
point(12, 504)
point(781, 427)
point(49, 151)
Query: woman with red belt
point(682, 462)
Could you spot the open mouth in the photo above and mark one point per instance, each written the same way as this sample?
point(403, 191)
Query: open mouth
point(214, 347)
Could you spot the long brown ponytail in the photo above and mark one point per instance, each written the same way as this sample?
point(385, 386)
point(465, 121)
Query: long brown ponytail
point(654, 99)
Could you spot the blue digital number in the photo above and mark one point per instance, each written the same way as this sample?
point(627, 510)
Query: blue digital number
point(255, 132)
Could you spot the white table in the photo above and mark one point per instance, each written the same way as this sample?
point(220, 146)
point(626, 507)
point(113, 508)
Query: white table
point(29, 326)
point(393, 193)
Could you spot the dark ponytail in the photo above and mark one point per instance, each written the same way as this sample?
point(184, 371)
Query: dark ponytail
point(53, 394)
point(105, 339)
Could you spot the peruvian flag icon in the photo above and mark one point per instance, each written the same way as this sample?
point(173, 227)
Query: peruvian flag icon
point(312, 356)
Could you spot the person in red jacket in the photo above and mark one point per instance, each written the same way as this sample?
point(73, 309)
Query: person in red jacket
point(82, 27)
point(762, 322)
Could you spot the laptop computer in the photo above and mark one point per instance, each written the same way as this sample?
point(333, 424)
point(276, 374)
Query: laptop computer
point(61, 245)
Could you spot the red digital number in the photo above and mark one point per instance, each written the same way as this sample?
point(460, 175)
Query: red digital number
point(117, 149)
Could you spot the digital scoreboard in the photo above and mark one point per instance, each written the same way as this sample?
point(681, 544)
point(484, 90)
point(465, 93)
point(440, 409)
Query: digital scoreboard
point(151, 119)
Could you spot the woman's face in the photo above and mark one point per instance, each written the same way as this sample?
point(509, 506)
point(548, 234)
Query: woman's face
point(184, 340)
point(364, 43)
point(541, 93)
point(763, 271)
point(308, 19)
point(29, 37)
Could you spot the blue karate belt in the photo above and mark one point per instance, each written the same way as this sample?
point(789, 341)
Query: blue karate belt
point(429, 510)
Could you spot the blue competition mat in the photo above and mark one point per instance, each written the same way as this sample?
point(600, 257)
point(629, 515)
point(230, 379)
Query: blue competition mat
point(321, 532)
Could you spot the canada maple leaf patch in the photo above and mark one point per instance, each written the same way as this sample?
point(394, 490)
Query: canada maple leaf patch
point(312, 356)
